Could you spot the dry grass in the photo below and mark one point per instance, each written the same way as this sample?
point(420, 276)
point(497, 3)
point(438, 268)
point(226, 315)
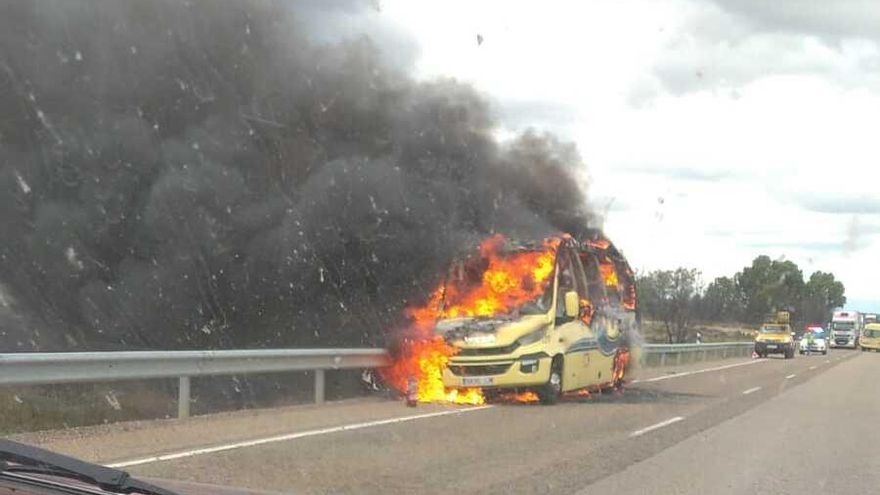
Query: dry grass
point(654, 333)
point(35, 408)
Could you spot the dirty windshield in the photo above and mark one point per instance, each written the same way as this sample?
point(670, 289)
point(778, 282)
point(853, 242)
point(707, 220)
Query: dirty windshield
point(503, 280)
point(392, 247)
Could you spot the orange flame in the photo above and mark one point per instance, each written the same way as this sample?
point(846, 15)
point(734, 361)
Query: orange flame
point(621, 363)
point(425, 360)
point(508, 281)
point(587, 310)
point(609, 274)
point(526, 397)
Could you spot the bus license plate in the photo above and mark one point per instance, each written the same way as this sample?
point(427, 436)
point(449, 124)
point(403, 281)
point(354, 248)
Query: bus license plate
point(477, 381)
point(771, 346)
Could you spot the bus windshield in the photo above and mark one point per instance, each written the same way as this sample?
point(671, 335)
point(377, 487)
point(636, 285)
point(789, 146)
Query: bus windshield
point(499, 283)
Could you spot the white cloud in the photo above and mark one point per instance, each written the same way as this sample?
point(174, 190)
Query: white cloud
point(712, 130)
point(723, 48)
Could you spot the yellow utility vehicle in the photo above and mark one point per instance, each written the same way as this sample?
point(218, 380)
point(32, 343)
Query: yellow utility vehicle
point(776, 337)
point(870, 340)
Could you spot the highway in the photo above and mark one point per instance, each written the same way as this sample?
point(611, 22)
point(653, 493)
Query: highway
point(736, 426)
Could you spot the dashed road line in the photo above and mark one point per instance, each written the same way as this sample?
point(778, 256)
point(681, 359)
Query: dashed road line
point(812, 367)
point(657, 426)
point(696, 372)
point(289, 436)
point(751, 390)
point(789, 377)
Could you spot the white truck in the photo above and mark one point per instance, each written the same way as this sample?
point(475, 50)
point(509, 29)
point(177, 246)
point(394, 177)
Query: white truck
point(846, 327)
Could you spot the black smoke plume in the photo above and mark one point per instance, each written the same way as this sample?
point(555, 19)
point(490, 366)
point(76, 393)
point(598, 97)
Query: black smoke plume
point(205, 175)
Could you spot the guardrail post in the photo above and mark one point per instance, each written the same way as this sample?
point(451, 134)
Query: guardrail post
point(319, 386)
point(183, 397)
point(662, 359)
point(678, 358)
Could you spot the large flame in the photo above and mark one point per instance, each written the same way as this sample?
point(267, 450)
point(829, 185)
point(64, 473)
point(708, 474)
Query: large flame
point(424, 360)
point(508, 281)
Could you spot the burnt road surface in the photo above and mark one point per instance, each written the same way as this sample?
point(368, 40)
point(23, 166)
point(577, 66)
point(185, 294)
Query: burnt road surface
point(806, 425)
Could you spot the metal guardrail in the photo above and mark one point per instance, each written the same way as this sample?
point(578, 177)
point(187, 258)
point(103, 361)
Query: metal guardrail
point(661, 354)
point(74, 367)
point(79, 367)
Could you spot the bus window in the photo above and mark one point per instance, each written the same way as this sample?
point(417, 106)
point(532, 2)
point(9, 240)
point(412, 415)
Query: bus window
point(595, 284)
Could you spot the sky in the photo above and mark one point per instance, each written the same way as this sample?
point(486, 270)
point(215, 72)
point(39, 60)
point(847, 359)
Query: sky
point(712, 131)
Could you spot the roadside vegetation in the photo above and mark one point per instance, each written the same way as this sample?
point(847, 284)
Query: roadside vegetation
point(675, 304)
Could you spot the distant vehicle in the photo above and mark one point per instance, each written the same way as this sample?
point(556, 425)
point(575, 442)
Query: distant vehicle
point(814, 340)
point(871, 318)
point(776, 337)
point(870, 340)
point(846, 326)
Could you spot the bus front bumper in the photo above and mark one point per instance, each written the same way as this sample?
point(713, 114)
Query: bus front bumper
point(498, 372)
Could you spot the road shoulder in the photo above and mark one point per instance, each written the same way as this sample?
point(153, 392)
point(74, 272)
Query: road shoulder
point(812, 438)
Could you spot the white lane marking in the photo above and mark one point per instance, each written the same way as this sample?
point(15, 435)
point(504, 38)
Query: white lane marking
point(751, 390)
point(286, 437)
point(695, 372)
point(789, 377)
point(659, 425)
point(812, 367)
point(827, 361)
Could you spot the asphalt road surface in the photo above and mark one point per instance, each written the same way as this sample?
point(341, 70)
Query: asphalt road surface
point(807, 425)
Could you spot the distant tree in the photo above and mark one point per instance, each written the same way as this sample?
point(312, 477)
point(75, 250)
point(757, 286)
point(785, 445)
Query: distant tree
point(675, 297)
point(769, 285)
point(822, 294)
point(722, 301)
point(669, 296)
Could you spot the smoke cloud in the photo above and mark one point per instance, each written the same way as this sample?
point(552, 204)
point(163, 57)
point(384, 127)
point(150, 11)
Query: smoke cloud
point(207, 175)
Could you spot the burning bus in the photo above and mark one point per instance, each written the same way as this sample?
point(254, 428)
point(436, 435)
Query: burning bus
point(531, 320)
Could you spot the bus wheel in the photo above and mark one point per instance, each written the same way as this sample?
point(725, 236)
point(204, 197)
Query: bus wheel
point(491, 396)
point(550, 392)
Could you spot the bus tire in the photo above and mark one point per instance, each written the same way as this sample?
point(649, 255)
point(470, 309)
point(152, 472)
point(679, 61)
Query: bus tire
point(549, 394)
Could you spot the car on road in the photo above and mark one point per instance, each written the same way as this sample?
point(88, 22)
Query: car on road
point(814, 340)
point(870, 340)
point(775, 338)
